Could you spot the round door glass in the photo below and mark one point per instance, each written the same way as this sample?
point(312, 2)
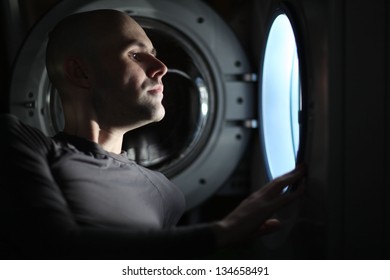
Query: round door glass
point(280, 102)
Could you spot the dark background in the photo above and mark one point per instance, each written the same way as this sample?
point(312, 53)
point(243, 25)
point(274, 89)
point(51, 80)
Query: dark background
point(348, 42)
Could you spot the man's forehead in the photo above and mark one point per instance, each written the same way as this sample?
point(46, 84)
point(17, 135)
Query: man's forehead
point(115, 43)
point(134, 35)
point(146, 45)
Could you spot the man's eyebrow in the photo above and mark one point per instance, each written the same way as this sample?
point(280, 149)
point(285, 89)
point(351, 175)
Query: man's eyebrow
point(153, 51)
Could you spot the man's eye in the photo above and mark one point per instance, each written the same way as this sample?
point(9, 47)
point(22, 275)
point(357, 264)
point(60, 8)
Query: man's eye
point(134, 55)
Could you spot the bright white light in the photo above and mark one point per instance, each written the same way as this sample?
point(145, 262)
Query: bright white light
point(280, 100)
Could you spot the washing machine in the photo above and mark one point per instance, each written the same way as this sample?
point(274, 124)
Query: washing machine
point(247, 97)
point(209, 92)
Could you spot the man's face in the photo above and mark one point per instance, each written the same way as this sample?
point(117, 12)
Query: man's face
point(126, 81)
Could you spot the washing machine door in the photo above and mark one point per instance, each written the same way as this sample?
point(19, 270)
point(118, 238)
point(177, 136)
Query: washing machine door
point(208, 92)
point(281, 102)
point(282, 106)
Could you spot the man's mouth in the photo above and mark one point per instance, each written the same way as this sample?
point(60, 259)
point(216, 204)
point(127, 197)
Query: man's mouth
point(159, 89)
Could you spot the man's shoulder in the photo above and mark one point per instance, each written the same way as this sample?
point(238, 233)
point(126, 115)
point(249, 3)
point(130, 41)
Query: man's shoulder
point(10, 122)
point(15, 130)
point(6, 118)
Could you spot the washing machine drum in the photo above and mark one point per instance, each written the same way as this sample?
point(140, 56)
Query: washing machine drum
point(208, 93)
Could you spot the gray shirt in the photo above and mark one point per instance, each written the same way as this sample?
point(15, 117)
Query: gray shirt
point(103, 189)
point(66, 197)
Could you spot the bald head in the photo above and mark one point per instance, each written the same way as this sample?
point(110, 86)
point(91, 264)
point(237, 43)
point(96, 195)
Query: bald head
point(82, 35)
point(105, 69)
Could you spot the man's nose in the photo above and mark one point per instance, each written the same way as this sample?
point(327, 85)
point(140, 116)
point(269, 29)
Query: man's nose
point(157, 68)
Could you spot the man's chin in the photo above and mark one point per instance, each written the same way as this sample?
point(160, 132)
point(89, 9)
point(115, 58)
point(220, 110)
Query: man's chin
point(155, 117)
point(159, 116)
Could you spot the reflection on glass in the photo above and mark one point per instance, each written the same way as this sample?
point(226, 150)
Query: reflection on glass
point(204, 98)
point(281, 98)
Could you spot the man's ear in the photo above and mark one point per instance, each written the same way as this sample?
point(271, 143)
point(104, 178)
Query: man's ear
point(76, 72)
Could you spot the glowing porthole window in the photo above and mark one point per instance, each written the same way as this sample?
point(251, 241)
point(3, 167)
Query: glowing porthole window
point(280, 101)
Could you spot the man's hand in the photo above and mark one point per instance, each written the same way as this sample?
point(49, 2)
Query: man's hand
point(252, 216)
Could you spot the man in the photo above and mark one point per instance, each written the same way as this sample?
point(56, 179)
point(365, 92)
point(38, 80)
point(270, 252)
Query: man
point(77, 195)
